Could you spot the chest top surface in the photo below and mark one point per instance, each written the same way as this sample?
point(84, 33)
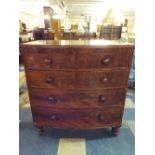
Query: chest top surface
point(78, 43)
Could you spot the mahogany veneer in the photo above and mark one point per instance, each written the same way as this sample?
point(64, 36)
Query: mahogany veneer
point(77, 84)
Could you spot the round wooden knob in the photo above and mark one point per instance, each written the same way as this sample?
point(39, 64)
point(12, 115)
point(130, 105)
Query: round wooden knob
point(105, 61)
point(100, 118)
point(48, 61)
point(53, 117)
point(104, 80)
point(102, 98)
point(49, 80)
point(51, 99)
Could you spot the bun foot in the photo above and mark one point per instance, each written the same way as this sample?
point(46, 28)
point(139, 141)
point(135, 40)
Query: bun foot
point(39, 129)
point(115, 131)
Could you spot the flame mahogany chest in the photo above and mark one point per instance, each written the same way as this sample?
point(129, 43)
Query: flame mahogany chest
point(78, 84)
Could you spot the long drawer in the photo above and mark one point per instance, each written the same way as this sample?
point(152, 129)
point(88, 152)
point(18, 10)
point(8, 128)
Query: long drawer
point(77, 79)
point(79, 119)
point(76, 99)
point(79, 58)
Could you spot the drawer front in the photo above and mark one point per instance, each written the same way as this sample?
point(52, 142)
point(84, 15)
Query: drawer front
point(80, 58)
point(75, 80)
point(90, 118)
point(45, 59)
point(103, 58)
point(76, 99)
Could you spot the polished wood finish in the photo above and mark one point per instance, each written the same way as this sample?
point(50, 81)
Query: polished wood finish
point(78, 119)
point(39, 129)
point(77, 79)
point(76, 98)
point(77, 84)
point(79, 58)
point(115, 130)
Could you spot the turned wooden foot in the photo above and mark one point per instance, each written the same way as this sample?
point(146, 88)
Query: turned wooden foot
point(115, 131)
point(39, 129)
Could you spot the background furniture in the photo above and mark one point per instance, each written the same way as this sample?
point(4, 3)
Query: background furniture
point(56, 26)
point(67, 35)
point(43, 34)
point(77, 84)
point(85, 36)
point(105, 32)
point(116, 32)
point(111, 32)
point(78, 36)
point(48, 13)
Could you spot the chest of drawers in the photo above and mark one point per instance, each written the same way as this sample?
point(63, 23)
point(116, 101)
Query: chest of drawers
point(77, 84)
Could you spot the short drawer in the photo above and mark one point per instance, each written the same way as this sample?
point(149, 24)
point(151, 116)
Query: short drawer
point(76, 99)
point(102, 58)
point(79, 58)
point(77, 79)
point(48, 58)
point(79, 119)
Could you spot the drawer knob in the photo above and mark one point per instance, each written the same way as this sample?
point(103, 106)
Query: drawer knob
point(53, 117)
point(49, 80)
point(104, 80)
point(51, 99)
point(102, 98)
point(100, 118)
point(105, 61)
point(48, 61)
